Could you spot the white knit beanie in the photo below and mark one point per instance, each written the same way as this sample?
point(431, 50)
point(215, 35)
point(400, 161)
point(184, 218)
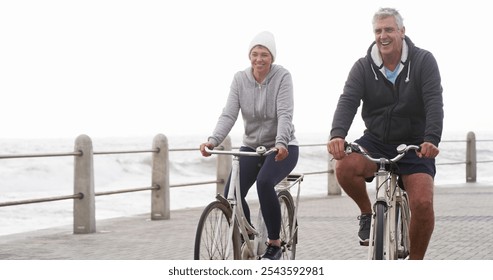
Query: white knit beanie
point(265, 39)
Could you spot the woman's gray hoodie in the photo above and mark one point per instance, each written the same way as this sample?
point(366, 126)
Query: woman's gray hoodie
point(266, 109)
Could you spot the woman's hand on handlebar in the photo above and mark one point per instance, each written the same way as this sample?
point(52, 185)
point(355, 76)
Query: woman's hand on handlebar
point(428, 150)
point(282, 153)
point(202, 149)
point(336, 148)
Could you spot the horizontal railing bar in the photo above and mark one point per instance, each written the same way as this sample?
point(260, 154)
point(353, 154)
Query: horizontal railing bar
point(39, 200)
point(76, 154)
point(453, 141)
point(126, 152)
point(41, 155)
point(127, 191)
point(183, 149)
point(451, 163)
point(317, 172)
point(156, 151)
point(462, 162)
point(197, 183)
point(311, 145)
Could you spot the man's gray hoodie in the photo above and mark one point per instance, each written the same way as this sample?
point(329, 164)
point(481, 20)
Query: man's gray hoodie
point(266, 109)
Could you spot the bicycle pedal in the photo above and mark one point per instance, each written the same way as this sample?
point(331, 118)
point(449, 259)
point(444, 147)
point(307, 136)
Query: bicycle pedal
point(364, 243)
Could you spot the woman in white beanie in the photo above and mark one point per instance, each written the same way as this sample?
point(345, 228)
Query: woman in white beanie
point(263, 93)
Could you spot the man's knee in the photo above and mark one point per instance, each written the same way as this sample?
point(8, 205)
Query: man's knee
point(354, 165)
point(420, 191)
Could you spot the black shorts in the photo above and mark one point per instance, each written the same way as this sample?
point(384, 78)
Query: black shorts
point(409, 164)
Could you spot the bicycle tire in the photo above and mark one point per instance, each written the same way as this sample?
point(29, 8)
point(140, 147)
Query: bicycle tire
point(402, 230)
point(379, 232)
point(211, 238)
point(289, 231)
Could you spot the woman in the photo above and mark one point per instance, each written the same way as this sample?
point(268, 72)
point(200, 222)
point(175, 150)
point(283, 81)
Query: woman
point(264, 94)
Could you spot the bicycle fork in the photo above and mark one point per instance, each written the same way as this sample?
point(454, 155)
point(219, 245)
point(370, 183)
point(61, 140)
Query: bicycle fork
point(386, 195)
point(381, 198)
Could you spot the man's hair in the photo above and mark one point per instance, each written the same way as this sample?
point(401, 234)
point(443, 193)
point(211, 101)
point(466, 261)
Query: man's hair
point(388, 12)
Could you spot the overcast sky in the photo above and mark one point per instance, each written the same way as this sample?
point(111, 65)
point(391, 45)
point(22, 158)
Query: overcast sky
point(138, 68)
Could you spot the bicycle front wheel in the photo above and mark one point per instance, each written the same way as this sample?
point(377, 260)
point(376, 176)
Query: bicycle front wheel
point(379, 232)
point(289, 230)
point(212, 240)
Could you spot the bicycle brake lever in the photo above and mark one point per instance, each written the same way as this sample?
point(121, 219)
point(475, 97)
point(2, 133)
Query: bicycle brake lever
point(352, 147)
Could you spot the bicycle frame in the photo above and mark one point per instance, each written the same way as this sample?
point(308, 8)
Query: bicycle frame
point(388, 193)
point(238, 213)
point(251, 249)
point(390, 201)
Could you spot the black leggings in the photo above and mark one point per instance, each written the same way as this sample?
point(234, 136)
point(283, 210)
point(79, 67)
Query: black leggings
point(267, 173)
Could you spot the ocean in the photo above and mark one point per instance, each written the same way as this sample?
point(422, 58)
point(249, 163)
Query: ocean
point(31, 178)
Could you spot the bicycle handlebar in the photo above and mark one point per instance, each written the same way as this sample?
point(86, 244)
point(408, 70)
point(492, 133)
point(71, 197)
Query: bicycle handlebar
point(261, 151)
point(402, 149)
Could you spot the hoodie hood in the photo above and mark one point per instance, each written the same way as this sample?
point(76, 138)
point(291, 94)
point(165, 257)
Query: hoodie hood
point(377, 61)
point(274, 68)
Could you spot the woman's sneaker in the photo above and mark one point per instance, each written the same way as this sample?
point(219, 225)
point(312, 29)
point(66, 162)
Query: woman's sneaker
point(272, 253)
point(364, 229)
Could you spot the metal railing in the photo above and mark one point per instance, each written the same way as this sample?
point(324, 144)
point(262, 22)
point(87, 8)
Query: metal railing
point(84, 189)
point(84, 194)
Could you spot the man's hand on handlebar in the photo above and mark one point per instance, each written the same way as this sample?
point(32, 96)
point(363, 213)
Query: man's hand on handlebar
point(428, 150)
point(337, 148)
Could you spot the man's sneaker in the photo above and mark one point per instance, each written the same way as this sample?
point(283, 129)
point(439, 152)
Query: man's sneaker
point(272, 253)
point(364, 229)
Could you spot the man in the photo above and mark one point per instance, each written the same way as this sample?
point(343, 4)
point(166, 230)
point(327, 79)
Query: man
point(399, 85)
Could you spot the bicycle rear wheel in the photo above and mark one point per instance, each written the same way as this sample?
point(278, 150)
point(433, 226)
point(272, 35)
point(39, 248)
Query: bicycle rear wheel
point(289, 231)
point(211, 239)
point(402, 230)
point(379, 232)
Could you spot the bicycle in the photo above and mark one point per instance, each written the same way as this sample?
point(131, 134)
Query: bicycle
point(223, 231)
point(389, 232)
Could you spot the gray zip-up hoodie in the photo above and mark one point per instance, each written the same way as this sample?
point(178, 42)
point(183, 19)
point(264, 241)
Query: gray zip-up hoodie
point(266, 109)
point(409, 111)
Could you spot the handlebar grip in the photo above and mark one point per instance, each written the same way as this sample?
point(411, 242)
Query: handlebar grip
point(270, 151)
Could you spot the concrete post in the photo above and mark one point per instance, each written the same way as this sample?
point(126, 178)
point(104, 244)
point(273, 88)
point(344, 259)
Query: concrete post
point(333, 187)
point(471, 163)
point(160, 202)
point(224, 165)
point(84, 209)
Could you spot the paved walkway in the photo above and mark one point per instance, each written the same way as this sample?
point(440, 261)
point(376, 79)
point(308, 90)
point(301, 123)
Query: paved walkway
point(328, 226)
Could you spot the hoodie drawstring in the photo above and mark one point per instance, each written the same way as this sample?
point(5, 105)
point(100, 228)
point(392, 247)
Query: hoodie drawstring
point(408, 72)
point(265, 103)
point(374, 73)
